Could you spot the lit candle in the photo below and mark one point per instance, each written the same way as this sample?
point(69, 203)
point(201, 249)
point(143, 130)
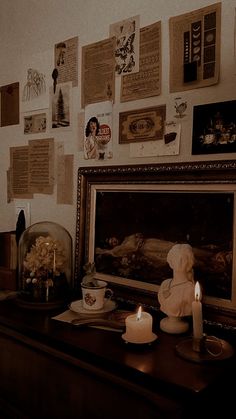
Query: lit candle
point(197, 314)
point(47, 290)
point(54, 262)
point(139, 327)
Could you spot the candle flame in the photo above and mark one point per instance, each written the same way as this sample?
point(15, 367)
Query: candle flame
point(197, 291)
point(139, 313)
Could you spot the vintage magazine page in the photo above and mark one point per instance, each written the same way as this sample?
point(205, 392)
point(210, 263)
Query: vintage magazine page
point(66, 61)
point(147, 82)
point(127, 34)
point(195, 48)
point(98, 131)
point(98, 72)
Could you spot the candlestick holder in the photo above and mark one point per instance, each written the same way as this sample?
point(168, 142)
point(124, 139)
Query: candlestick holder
point(137, 341)
point(206, 349)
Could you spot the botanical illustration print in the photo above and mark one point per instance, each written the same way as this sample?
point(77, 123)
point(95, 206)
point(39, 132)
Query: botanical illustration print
point(35, 85)
point(61, 104)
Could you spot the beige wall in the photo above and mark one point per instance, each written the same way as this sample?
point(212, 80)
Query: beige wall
point(31, 27)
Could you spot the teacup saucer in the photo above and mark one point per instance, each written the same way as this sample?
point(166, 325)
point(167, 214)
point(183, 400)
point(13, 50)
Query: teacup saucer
point(77, 307)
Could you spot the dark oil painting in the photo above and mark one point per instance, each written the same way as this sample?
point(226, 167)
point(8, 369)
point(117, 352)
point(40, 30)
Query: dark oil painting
point(134, 230)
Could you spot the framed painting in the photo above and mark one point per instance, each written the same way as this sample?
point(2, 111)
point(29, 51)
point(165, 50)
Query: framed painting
point(129, 217)
point(214, 128)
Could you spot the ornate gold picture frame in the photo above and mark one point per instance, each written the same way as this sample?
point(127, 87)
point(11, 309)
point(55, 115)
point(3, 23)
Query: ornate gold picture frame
point(128, 217)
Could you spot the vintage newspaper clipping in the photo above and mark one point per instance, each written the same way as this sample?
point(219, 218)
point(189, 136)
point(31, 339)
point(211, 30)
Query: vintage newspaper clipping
point(147, 82)
point(66, 61)
point(195, 48)
point(41, 165)
point(98, 72)
point(19, 172)
point(65, 167)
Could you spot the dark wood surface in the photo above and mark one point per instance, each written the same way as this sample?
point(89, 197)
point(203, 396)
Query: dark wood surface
point(50, 369)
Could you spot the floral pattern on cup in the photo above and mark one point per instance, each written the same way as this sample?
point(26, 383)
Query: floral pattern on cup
point(89, 299)
point(94, 297)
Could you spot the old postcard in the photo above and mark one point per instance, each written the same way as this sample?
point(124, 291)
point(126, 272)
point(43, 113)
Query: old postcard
point(168, 146)
point(142, 124)
point(146, 82)
point(35, 123)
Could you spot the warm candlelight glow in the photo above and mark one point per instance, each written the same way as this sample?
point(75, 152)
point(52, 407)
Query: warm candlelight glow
point(197, 291)
point(139, 314)
point(197, 317)
point(139, 327)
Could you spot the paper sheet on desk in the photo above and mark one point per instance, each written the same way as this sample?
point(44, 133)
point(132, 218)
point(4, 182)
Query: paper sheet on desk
point(68, 315)
point(7, 294)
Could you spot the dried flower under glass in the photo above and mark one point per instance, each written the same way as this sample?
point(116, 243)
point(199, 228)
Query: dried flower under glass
point(45, 262)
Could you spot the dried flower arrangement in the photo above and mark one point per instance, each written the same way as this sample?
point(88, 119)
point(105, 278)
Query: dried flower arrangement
point(44, 266)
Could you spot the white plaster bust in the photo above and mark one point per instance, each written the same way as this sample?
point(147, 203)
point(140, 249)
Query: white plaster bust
point(177, 294)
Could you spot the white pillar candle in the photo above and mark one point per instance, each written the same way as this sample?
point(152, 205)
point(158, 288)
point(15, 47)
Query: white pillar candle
point(139, 327)
point(197, 314)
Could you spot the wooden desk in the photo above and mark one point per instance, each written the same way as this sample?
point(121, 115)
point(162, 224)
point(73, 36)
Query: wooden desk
point(51, 369)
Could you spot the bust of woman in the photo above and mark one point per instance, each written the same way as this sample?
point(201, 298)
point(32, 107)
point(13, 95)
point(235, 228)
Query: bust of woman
point(176, 294)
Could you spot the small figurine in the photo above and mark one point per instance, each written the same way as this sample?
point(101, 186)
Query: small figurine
point(177, 294)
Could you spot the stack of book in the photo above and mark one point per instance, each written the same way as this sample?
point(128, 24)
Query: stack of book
point(8, 260)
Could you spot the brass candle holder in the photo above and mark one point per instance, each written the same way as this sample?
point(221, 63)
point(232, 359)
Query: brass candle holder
point(208, 348)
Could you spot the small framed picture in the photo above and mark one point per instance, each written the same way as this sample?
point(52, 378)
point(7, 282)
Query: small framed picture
point(214, 128)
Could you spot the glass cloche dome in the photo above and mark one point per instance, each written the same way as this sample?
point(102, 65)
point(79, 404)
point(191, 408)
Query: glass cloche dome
point(45, 264)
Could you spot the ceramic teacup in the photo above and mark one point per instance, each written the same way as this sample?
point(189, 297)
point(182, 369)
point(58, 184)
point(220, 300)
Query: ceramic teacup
point(94, 297)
